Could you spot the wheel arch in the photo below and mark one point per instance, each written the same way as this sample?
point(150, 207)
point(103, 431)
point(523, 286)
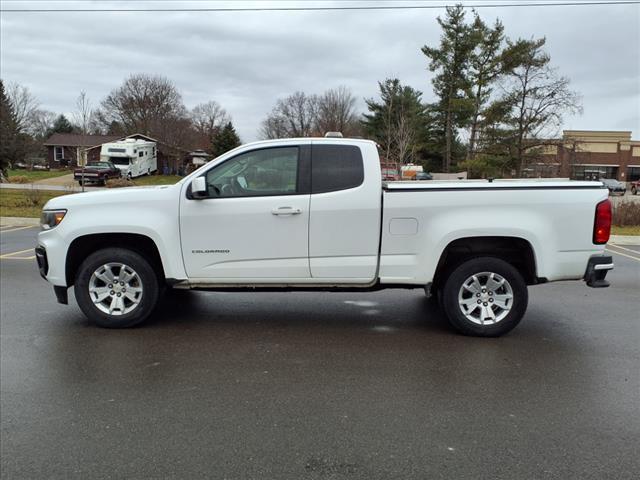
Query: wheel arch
point(516, 251)
point(85, 245)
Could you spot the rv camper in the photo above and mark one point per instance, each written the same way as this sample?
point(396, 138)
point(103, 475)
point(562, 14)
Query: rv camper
point(133, 157)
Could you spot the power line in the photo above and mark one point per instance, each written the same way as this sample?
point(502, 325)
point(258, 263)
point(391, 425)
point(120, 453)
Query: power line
point(321, 8)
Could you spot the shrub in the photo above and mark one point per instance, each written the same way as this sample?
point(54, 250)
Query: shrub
point(33, 198)
point(626, 213)
point(18, 179)
point(120, 182)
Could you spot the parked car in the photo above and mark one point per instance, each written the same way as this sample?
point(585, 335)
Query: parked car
point(423, 176)
point(635, 187)
point(96, 172)
point(313, 214)
point(614, 186)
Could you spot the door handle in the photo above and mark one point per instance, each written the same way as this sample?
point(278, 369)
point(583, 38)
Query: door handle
point(286, 211)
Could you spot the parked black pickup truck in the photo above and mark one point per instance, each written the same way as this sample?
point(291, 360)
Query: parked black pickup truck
point(96, 172)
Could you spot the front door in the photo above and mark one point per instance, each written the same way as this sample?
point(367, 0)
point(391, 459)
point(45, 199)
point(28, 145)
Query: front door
point(253, 225)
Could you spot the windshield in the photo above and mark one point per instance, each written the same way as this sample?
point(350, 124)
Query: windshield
point(98, 165)
point(120, 160)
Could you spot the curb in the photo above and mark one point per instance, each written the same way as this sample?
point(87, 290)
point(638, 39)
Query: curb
point(19, 221)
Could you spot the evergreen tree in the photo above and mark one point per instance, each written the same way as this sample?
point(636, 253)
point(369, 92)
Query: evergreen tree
point(11, 140)
point(61, 125)
point(397, 122)
point(452, 84)
point(486, 66)
point(227, 139)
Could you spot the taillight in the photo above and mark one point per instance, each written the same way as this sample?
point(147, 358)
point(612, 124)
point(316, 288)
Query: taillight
point(602, 223)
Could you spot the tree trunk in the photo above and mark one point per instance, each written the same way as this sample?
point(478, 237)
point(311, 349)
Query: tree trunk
point(448, 134)
point(474, 126)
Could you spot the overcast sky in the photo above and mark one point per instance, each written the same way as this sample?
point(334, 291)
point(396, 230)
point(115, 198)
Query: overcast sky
point(246, 60)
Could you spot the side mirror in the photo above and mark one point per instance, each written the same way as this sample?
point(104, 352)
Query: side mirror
point(199, 187)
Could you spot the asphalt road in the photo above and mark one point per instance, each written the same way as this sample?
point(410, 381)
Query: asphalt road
point(319, 386)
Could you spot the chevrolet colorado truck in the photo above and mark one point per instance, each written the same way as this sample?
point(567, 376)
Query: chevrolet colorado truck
point(314, 214)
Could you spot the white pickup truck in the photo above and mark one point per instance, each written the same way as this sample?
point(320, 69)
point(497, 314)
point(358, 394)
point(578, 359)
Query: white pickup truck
point(313, 214)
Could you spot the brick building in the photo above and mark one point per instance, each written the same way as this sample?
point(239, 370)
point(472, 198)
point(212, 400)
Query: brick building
point(64, 149)
point(589, 155)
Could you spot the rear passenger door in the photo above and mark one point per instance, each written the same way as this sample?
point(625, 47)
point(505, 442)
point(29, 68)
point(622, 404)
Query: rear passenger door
point(344, 222)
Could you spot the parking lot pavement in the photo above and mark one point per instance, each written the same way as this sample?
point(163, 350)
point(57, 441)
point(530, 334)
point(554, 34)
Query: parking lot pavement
point(319, 385)
point(18, 241)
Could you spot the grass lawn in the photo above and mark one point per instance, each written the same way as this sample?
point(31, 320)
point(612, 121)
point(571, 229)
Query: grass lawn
point(34, 175)
point(24, 203)
point(628, 230)
point(157, 180)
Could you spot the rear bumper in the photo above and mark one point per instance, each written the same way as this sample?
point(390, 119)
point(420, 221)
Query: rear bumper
point(88, 177)
point(597, 269)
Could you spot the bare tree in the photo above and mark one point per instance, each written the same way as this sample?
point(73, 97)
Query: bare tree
point(82, 117)
point(208, 119)
point(147, 104)
point(336, 112)
point(41, 123)
point(539, 98)
point(404, 138)
point(293, 116)
point(273, 127)
point(24, 105)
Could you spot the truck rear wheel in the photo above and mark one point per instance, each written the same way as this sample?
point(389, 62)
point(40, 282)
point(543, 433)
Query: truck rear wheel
point(116, 288)
point(485, 297)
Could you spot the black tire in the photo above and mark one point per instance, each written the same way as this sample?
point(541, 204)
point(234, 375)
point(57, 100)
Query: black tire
point(80, 182)
point(148, 280)
point(454, 285)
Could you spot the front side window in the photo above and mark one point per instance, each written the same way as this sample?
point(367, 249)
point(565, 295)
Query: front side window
point(267, 172)
point(59, 153)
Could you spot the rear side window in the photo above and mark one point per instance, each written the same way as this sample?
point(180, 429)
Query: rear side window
point(335, 167)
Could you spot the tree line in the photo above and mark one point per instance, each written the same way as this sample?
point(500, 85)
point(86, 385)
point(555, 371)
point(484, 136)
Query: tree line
point(146, 104)
point(495, 101)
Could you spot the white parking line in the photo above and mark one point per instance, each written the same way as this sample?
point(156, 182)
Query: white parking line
point(637, 252)
point(637, 259)
point(11, 255)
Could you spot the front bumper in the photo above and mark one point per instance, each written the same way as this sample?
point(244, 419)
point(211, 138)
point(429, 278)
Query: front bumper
point(597, 270)
point(43, 267)
point(43, 262)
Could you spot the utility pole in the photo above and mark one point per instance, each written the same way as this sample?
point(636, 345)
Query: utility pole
point(83, 115)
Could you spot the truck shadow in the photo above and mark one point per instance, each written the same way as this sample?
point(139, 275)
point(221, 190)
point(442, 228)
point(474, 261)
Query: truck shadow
point(379, 312)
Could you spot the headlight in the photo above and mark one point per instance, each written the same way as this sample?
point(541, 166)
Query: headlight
point(51, 218)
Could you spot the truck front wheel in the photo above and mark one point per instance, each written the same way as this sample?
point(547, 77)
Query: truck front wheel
point(485, 297)
point(116, 288)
